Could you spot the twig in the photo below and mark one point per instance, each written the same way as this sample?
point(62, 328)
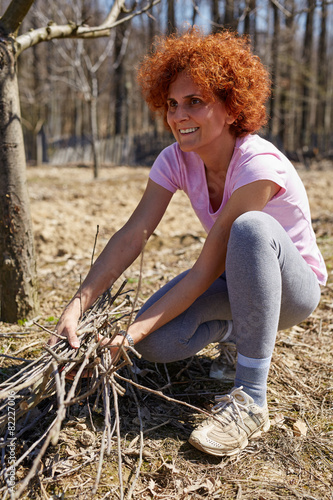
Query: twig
point(100, 463)
point(30, 425)
point(120, 472)
point(106, 397)
point(62, 359)
point(51, 332)
point(33, 469)
point(14, 357)
point(24, 348)
point(161, 395)
point(61, 413)
point(137, 472)
point(24, 385)
point(15, 334)
point(94, 247)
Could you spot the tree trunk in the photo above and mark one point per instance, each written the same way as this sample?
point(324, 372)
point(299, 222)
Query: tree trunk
point(94, 125)
point(230, 20)
point(216, 19)
point(18, 296)
point(292, 134)
point(195, 8)
point(250, 21)
point(322, 81)
point(121, 111)
point(274, 101)
point(171, 21)
point(307, 77)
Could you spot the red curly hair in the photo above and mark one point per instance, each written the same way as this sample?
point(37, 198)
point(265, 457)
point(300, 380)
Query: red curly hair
point(221, 64)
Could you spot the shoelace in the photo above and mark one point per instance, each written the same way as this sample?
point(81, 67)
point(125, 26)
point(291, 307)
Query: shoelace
point(228, 350)
point(230, 404)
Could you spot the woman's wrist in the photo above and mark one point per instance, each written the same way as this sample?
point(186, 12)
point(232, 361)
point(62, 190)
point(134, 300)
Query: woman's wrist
point(128, 337)
point(73, 307)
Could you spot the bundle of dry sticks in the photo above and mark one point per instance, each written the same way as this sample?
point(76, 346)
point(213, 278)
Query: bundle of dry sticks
point(46, 378)
point(44, 383)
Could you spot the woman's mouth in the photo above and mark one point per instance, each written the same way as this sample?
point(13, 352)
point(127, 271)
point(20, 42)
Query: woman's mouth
point(185, 131)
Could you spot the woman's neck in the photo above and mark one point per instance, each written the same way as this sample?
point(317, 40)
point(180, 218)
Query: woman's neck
point(217, 162)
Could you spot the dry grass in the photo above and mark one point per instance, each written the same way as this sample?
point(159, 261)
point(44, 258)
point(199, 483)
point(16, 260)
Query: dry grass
point(293, 460)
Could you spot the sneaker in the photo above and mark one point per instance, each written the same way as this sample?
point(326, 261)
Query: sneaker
point(224, 367)
point(236, 419)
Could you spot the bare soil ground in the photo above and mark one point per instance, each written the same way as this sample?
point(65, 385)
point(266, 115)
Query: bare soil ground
point(293, 460)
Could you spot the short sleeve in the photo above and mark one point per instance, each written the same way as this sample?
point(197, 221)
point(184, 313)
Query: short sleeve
point(166, 170)
point(260, 167)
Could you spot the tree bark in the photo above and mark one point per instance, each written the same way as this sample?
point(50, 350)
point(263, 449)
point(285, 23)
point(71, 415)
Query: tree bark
point(95, 144)
point(14, 15)
point(121, 111)
point(18, 296)
point(216, 18)
point(307, 77)
point(230, 20)
point(171, 20)
point(250, 21)
point(292, 132)
point(18, 290)
point(322, 82)
point(274, 102)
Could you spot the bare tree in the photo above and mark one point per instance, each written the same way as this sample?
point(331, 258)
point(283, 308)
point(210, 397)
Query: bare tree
point(171, 17)
point(121, 111)
point(323, 108)
point(307, 77)
point(250, 20)
point(230, 16)
point(78, 68)
point(216, 16)
point(195, 10)
point(18, 290)
point(274, 102)
point(81, 74)
point(288, 97)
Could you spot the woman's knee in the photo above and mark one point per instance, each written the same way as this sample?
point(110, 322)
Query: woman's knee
point(251, 235)
point(251, 225)
point(159, 348)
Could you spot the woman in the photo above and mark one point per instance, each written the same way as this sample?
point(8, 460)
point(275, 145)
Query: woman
point(259, 270)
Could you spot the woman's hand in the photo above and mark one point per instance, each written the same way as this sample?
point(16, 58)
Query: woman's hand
point(67, 324)
point(113, 347)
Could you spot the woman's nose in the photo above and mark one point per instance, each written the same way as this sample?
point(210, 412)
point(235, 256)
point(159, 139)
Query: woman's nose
point(181, 114)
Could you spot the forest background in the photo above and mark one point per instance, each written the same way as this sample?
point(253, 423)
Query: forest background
point(81, 104)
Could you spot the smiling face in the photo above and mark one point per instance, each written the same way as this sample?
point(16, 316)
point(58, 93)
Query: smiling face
point(198, 124)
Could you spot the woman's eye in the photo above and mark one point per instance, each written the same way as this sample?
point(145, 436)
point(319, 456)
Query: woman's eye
point(196, 100)
point(172, 104)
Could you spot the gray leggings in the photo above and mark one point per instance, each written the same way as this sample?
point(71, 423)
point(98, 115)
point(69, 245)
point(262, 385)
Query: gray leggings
point(267, 286)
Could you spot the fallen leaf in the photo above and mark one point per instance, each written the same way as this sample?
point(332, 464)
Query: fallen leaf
point(300, 428)
point(278, 419)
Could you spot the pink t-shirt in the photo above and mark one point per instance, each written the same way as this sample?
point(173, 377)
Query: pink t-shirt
point(253, 159)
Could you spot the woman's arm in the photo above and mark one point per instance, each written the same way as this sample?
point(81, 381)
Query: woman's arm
point(120, 252)
point(210, 264)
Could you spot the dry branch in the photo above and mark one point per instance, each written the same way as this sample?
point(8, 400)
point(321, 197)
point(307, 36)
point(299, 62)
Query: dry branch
point(45, 378)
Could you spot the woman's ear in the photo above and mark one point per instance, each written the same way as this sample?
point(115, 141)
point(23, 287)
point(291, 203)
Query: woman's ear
point(230, 119)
